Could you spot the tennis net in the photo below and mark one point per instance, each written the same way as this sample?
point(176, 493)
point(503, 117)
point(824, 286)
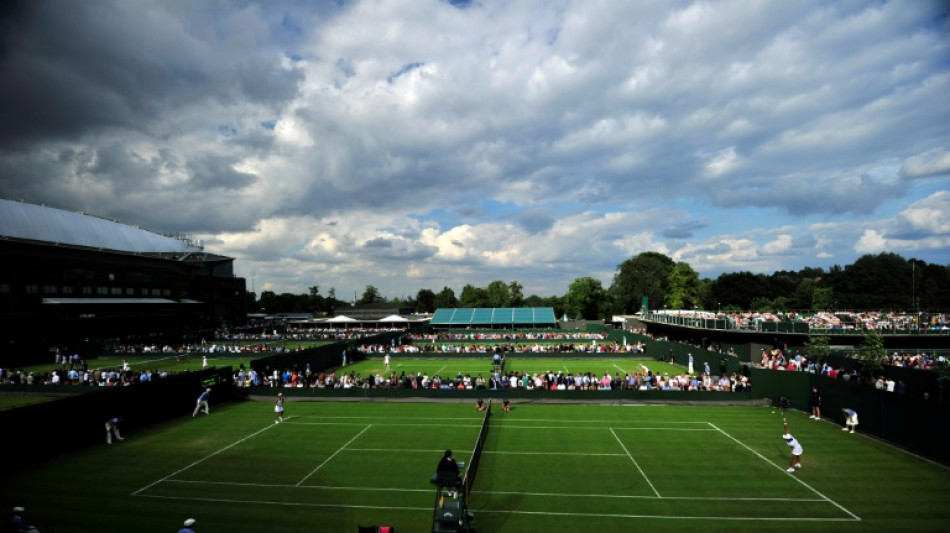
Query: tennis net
point(468, 481)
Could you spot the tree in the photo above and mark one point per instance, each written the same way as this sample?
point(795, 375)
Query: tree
point(473, 296)
point(805, 294)
point(586, 298)
point(268, 302)
point(741, 289)
point(648, 275)
point(684, 287)
point(872, 354)
point(931, 288)
point(446, 299)
point(554, 302)
point(823, 299)
point(817, 348)
point(882, 281)
point(516, 296)
point(534, 301)
point(425, 301)
point(498, 294)
point(370, 296)
point(250, 302)
point(330, 303)
point(315, 301)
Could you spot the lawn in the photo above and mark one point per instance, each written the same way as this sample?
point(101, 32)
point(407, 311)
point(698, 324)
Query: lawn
point(548, 468)
point(153, 362)
point(451, 366)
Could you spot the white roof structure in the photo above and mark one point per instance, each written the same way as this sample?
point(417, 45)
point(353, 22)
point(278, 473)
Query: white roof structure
point(33, 222)
point(393, 318)
point(341, 319)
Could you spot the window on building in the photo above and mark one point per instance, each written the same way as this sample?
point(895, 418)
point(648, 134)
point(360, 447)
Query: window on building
point(32, 289)
point(67, 289)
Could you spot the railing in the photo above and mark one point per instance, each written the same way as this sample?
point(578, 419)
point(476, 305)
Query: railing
point(721, 321)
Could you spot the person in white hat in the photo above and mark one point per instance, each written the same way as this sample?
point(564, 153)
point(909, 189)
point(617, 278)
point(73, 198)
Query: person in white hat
point(795, 446)
point(188, 526)
point(279, 408)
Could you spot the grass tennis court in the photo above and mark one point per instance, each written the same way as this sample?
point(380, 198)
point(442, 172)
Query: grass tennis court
point(449, 367)
point(332, 466)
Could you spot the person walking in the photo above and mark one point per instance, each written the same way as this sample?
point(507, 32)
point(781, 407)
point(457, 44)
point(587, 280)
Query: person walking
point(202, 404)
point(850, 420)
point(112, 427)
point(279, 408)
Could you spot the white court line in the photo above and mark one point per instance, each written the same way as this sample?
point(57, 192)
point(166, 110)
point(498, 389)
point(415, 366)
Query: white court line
point(568, 424)
point(635, 463)
point(298, 423)
point(150, 485)
point(402, 450)
point(327, 460)
point(469, 418)
point(806, 485)
point(666, 517)
point(500, 511)
point(506, 493)
point(591, 421)
point(286, 486)
point(621, 369)
point(396, 450)
point(581, 454)
point(292, 504)
point(623, 428)
point(633, 497)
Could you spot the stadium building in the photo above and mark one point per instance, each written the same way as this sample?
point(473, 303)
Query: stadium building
point(75, 283)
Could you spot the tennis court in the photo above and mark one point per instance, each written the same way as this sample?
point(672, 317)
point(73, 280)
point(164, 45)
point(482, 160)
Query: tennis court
point(332, 466)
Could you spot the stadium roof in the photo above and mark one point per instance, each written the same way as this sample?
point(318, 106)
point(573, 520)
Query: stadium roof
point(47, 224)
point(489, 316)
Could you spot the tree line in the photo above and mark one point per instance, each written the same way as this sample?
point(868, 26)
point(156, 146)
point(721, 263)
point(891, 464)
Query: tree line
point(885, 282)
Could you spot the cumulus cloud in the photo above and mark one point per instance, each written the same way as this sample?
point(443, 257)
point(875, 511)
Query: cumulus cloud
point(871, 242)
point(431, 143)
point(931, 163)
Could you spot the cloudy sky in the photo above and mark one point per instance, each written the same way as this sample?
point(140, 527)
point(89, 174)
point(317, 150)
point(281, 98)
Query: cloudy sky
point(411, 144)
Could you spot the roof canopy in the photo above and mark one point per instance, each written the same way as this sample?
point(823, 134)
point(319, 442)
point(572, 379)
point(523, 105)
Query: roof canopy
point(341, 318)
point(495, 316)
point(40, 223)
point(393, 318)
